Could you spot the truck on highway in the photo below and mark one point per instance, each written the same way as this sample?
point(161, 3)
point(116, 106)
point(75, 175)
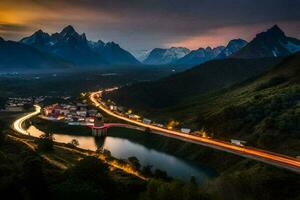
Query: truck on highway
point(146, 121)
point(185, 130)
point(238, 142)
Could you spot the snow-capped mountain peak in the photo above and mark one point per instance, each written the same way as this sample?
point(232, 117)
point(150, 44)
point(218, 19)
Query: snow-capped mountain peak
point(159, 56)
point(233, 46)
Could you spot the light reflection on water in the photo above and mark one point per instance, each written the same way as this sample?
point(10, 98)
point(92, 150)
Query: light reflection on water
point(123, 148)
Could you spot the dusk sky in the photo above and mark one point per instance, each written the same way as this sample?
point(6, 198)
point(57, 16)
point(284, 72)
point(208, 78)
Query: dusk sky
point(145, 24)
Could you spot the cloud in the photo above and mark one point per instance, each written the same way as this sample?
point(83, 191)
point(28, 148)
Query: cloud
point(140, 24)
point(14, 27)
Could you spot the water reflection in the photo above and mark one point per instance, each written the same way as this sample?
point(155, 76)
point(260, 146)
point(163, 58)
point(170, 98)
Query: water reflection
point(123, 148)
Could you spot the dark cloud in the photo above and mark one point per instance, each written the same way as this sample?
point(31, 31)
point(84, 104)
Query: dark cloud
point(141, 24)
point(14, 27)
point(13, 30)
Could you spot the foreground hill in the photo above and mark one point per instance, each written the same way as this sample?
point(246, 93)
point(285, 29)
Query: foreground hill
point(264, 111)
point(202, 79)
point(14, 55)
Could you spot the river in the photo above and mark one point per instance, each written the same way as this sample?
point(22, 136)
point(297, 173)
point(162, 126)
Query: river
point(122, 148)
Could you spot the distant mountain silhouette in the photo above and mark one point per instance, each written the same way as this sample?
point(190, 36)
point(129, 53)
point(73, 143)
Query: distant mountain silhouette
point(160, 56)
point(272, 43)
point(206, 77)
point(15, 55)
point(75, 47)
point(232, 47)
point(200, 55)
point(114, 54)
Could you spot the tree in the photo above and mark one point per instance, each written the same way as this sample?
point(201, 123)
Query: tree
point(45, 143)
point(90, 169)
point(2, 133)
point(134, 162)
point(175, 190)
point(147, 171)
point(160, 174)
point(74, 143)
point(34, 178)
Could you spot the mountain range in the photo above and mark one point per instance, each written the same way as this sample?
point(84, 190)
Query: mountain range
point(184, 56)
point(68, 48)
point(200, 55)
point(232, 47)
point(160, 56)
point(75, 47)
point(271, 43)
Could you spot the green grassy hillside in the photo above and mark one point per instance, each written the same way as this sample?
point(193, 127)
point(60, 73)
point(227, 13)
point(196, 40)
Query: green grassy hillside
point(201, 79)
point(264, 111)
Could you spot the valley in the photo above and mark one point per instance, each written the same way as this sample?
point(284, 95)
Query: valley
point(149, 100)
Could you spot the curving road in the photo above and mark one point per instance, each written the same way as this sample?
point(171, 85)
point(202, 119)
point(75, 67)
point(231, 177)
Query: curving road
point(17, 125)
point(275, 159)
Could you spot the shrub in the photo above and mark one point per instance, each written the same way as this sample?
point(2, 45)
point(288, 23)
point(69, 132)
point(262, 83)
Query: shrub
point(272, 82)
point(45, 143)
point(134, 162)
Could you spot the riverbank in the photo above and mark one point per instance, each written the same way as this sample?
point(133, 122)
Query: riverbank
point(122, 146)
point(243, 177)
point(186, 151)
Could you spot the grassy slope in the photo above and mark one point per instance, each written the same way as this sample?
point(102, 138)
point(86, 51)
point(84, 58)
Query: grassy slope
point(244, 178)
point(237, 175)
point(204, 78)
point(264, 111)
point(20, 180)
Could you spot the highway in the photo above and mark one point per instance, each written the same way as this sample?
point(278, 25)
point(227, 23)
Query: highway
point(268, 157)
point(17, 125)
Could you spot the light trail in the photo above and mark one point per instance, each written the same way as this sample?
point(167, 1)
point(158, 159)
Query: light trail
point(253, 153)
point(17, 125)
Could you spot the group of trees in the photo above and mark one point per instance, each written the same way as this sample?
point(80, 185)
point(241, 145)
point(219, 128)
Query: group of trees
point(148, 170)
point(175, 190)
point(268, 116)
point(89, 179)
point(2, 134)
point(45, 142)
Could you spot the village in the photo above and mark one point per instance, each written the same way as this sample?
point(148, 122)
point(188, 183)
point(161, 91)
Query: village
point(71, 113)
point(18, 104)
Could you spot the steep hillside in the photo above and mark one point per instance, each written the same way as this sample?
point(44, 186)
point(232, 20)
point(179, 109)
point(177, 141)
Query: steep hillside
point(264, 111)
point(202, 79)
